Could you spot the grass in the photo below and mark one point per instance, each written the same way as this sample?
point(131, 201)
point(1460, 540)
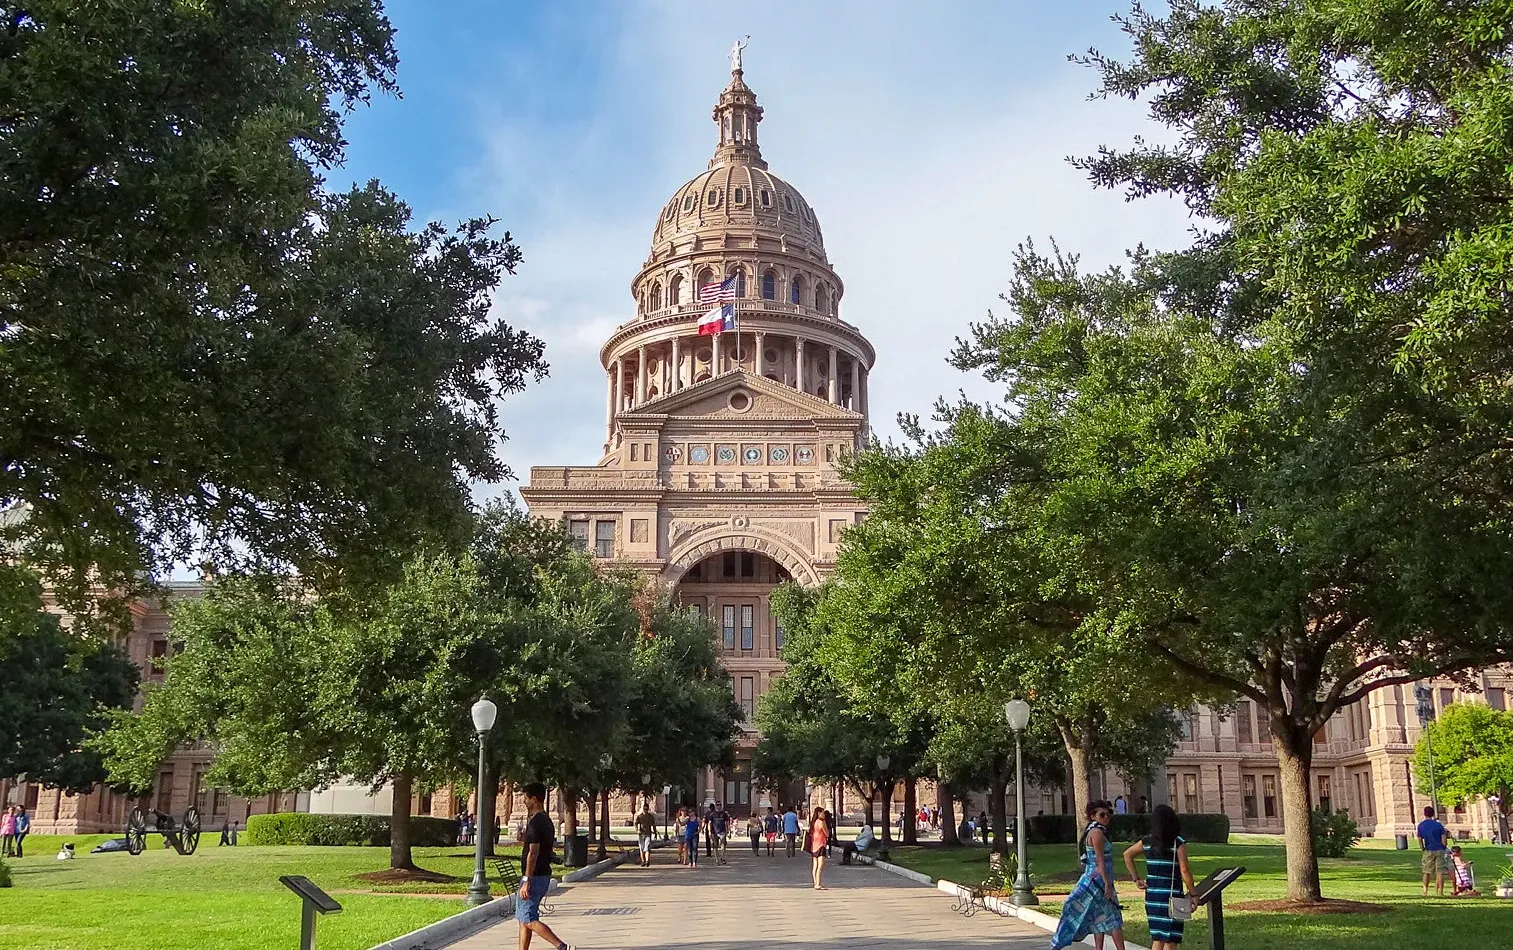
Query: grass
point(1373, 873)
point(227, 898)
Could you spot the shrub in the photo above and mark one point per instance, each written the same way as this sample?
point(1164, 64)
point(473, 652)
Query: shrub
point(1334, 832)
point(1129, 827)
point(5, 874)
point(297, 828)
point(1205, 829)
point(1064, 829)
point(1052, 829)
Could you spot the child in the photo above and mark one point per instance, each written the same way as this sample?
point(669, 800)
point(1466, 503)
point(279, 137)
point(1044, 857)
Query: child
point(1464, 883)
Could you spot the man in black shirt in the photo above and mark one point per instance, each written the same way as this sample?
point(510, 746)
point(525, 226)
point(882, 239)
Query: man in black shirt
point(536, 867)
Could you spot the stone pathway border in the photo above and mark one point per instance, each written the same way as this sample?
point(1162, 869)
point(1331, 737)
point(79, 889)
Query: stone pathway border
point(462, 925)
point(1029, 915)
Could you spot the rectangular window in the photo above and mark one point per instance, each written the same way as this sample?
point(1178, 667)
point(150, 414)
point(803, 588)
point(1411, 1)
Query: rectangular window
point(748, 565)
point(728, 564)
point(748, 628)
point(1171, 788)
point(727, 628)
point(1497, 698)
point(747, 698)
point(1326, 793)
point(777, 630)
point(698, 611)
point(1190, 802)
point(1244, 731)
point(1368, 800)
point(604, 539)
point(218, 802)
point(1248, 795)
point(578, 528)
point(196, 785)
point(1446, 697)
point(1269, 795)
point(165, 791)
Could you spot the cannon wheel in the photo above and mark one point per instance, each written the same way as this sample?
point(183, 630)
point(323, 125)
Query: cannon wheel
point(136, 831)
point(189, 830)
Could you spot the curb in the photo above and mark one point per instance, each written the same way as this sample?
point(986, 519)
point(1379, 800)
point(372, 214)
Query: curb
point(445, 932)
point(1002, 907)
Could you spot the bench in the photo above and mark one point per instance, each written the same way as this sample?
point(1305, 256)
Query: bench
point(510, 876)
point(971, 899)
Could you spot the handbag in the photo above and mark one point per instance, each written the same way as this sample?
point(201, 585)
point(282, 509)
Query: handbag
point(1181, 907)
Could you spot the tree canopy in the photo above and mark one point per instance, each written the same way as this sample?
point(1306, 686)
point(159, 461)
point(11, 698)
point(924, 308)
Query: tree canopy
point(1467, 755)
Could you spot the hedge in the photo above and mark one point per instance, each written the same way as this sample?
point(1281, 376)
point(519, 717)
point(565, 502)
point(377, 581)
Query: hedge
point(1064, 829)
point(298, 828)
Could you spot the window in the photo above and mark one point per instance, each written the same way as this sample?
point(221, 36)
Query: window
point(748, 628)
point(766, 198)
point(159, 648)
point(728, 565)
point(656, 296)
point(740, 281)
point(796, 290)
point(740, 196)
point(777, 631)
point(1269, 795)
point(1248, 794)
point(727, 627)
point(675, 290)
point(819, 297)
point(604, 539)
point(688, 201)
point(1497, 698)
point(217, 802)
point(748, 565)
point(747, 698)
point(165, 791)
point(1171, 788)
point(1368, 797)
point(1244, 731)
point(578, 528)
point(1190, 800)
point(1326, 796)
point(712, 197)
point(769, 286)
point(1446, 697)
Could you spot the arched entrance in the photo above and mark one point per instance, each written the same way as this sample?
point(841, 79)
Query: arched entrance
point(732, 588)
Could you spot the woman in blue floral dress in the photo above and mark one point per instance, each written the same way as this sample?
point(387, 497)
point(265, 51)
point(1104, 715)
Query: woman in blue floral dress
point(1093, 906)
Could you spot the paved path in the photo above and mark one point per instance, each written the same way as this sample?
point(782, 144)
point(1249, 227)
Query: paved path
point(759, 902)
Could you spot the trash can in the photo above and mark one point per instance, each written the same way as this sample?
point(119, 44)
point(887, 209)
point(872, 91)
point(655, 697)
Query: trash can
point(1402, 842)
point(575, 851)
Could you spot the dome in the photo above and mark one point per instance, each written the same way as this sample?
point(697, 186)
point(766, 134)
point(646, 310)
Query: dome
point(740, 197)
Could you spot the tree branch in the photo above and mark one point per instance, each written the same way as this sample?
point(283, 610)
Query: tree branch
point(1207, 675)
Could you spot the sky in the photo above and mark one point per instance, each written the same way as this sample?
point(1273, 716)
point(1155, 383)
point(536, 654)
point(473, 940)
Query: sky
point(930, 139)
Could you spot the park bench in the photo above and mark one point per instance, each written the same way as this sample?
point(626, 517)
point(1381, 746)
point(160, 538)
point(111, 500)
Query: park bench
point(972, 898)
point(510, 876)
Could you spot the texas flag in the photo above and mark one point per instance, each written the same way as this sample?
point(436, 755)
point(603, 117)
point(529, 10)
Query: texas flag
point(718, 320)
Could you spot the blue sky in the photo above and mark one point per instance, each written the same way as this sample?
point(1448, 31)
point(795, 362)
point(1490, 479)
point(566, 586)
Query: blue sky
point(930, 139)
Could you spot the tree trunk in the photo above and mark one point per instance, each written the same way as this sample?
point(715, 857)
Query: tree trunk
point(484, 813)
point(593, 814)
point(570, 819)
point(865, 796)
point(399, 823)
point(947, 806)
point(911, 805)
point(886, 806)
point(604, 824)
point(1294, 748)
point(998, 812)
point(1079, 775)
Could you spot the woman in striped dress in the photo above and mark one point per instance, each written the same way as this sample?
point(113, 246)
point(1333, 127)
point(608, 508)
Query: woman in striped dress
point(1165, 858)
point(1093, 905)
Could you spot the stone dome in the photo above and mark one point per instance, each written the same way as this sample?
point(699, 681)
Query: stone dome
point(740, 197)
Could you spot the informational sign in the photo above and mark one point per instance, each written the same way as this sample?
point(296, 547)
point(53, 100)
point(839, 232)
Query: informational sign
point(1210, 886)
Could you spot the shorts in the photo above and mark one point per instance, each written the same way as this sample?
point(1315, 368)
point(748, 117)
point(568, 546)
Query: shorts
point(528, 908)
point(1436, 862)
point(645, 844)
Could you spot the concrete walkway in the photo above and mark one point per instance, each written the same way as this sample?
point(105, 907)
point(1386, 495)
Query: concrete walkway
point(759, 902)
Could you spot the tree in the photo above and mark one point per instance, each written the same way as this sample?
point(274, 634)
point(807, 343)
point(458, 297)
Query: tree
point(54, 690)
point(1472, 746)
point(203, 353)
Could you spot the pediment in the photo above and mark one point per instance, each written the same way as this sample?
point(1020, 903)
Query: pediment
point(768, 399)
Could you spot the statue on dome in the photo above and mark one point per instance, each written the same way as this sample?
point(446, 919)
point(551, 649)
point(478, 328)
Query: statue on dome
point(735, 53)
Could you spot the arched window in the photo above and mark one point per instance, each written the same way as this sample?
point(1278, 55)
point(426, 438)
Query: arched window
point(769, 286)
point(740, 281)
point(819, 297)
point(796, 290)
point(675, 290)
point(656, 296)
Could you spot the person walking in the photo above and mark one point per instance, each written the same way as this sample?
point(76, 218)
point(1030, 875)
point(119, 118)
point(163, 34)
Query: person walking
point(536, 865)
point(982, 826)
point(791, 830)
point(754, 832)
point(817, 844)
point(225, 834)
point(1432, 837)
point(770, 826)
point(1165, 869)
point(646, 829)
point(1093, 905)
point(691, 839)
point(680, 834)
point(721, 822)
point(709, 831)
point(23, 827)
point(8, 832)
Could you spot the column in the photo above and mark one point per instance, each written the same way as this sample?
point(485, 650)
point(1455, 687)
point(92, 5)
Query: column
point(677, 365)
point(761, 342)
point(609, 396)
point(714, 359)
point(856, 384)
point(866, 381)
point(640, 375)
point(619, 385)
point(798, 363)
point(835, 388)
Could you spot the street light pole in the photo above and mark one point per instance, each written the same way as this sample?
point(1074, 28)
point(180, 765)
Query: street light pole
point(484, 713)
point(1017, 712)
point(666, 811)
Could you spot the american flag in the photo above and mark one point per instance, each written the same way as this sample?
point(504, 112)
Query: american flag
point(723, 292)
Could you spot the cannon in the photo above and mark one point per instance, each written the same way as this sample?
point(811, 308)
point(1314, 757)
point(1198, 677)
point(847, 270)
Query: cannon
point(182, 834)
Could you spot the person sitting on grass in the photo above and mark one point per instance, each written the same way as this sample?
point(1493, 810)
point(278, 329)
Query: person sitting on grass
point(1465, 882)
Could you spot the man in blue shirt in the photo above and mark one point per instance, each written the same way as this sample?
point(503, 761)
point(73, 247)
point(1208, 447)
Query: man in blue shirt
point(791, 830)
point(1436, 858)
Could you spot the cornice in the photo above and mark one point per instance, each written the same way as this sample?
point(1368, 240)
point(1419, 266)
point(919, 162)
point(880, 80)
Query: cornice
point(774, 320)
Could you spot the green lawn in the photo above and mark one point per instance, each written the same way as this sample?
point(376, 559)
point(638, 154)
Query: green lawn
point(227, 898)
point(1373, 873)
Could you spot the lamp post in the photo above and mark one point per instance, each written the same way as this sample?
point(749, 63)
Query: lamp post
point(646, 788)
point(882, 772)
point(666, 811)
point(484, 713)
point(1017, 711)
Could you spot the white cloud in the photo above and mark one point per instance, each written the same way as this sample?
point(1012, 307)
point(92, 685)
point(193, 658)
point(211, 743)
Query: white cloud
point(927, 158)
